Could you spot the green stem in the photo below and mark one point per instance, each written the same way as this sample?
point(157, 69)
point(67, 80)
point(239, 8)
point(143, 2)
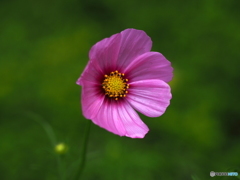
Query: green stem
point(84, 149)
point(50, 133)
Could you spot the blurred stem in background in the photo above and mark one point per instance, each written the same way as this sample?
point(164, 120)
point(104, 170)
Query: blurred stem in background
point(53, 140)
point(84, 150)
point(61, 148)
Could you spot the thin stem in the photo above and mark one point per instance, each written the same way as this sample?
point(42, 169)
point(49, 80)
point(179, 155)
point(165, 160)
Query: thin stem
point(84, 149)
point(51, 135)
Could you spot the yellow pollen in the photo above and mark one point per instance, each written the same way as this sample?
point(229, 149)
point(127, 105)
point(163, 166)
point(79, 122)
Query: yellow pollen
point(115, 85)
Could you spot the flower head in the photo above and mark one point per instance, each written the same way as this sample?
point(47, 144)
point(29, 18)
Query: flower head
point(122, 76)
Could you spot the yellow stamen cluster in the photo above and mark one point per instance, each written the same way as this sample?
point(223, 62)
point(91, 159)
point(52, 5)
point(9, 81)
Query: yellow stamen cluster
point(115, 85)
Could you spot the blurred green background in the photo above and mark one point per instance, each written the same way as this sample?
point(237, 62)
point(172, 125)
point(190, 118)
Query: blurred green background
point(44, 48)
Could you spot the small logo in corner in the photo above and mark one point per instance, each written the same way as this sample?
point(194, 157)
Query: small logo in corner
point(212, 173)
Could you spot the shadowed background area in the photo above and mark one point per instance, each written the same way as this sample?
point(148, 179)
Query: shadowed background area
point(44, 48)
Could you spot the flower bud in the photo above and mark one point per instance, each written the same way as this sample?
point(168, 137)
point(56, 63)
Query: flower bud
point(61, 148)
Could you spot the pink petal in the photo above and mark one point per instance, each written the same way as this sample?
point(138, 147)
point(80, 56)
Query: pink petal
point(90, 74)
point(150, 97)
point(104, 54)
point(116, 52)
point(134, 43)
point(119, 118)
point(92, 99)
point(151, 65)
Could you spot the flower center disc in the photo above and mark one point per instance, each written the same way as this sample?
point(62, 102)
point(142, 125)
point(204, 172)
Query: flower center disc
point(115, 85)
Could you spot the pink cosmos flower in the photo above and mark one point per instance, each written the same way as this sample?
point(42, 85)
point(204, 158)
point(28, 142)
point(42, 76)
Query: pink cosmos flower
point(122, 76)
